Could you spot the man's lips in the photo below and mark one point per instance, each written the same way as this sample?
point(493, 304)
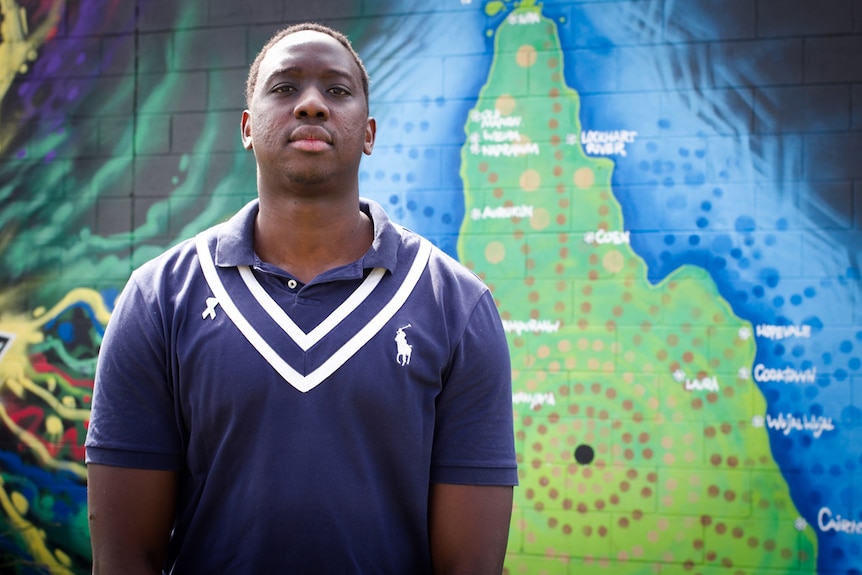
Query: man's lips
point(315, 136)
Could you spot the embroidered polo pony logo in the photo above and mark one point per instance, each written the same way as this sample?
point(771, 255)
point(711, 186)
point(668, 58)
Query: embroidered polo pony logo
point(405, 350)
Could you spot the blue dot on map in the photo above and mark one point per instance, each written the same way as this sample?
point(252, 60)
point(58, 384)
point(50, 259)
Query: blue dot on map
point(744, 224)
point(770, 277)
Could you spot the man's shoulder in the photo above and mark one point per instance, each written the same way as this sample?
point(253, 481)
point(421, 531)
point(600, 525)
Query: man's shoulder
point(450, 279)
point(443, 264)
point(168, 261)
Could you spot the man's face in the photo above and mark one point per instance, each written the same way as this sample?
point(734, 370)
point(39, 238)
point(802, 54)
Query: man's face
point(308, 122)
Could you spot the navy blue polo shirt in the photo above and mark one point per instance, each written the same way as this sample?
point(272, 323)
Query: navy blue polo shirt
point(306, 421)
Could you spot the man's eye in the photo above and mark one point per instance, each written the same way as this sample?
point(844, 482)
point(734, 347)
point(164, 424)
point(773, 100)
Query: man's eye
point(340, 91)
point(283, 88)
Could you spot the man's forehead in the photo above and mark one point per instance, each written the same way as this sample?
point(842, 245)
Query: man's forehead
point(302, 39)
point(297, 49)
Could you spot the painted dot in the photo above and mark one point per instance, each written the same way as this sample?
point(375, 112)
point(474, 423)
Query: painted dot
point(613, 261)
point(540, 219)
point(584, 178)
point(495, 252)
point(584, 454)
point(530, 180)
point(505, 104)
point(525, 56)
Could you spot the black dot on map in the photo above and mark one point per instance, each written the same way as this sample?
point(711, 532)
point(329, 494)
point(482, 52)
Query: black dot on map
point(584, 454)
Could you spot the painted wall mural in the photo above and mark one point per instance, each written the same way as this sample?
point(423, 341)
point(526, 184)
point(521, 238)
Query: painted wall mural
point(665, 198)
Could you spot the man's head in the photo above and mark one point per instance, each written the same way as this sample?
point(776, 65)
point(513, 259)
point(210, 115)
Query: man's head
point(251, 82)
point(307, 120)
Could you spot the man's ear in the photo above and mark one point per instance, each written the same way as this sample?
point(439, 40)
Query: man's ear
point(370, 134)
point(246, 130)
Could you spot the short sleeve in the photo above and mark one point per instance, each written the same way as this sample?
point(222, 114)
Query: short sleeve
point(133, 421)
point(474, 436)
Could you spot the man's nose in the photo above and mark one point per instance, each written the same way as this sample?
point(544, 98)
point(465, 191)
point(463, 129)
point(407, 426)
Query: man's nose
point(311, 103)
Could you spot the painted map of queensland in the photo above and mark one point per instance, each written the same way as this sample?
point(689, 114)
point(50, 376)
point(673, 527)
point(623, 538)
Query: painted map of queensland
point(636, 414)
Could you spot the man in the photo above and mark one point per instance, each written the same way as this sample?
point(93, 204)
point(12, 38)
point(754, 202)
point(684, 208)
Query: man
point(307, 388)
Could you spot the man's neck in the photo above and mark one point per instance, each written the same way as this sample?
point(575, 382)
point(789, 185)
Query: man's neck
point(309, 236)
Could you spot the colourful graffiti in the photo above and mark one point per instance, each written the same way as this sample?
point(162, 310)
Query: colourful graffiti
point(47, 367)
point(681, 302)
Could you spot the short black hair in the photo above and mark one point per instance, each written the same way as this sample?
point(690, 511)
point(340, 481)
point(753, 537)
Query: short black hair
point(251, 81)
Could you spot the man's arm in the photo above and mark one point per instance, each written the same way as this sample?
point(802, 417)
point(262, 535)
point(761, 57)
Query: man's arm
point(131, 513)
point(469, 528)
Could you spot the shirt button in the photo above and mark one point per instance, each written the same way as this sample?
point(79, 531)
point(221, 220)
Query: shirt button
point(291, 283)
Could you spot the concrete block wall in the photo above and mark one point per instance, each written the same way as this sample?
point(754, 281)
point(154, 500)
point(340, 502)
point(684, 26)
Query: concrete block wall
point(741, 198)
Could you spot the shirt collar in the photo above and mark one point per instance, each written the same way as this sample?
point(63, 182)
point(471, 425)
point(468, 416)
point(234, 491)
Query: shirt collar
point(235, 246)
